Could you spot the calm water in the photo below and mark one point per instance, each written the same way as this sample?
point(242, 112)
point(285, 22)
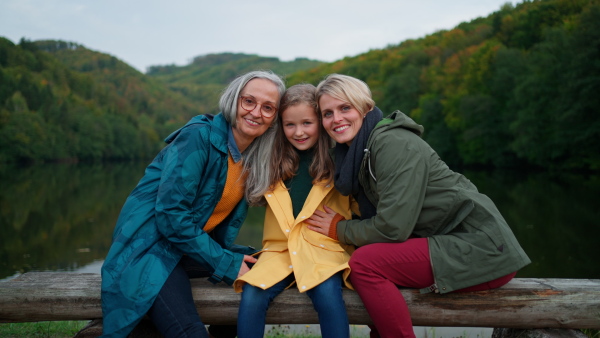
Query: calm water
point(60, 217)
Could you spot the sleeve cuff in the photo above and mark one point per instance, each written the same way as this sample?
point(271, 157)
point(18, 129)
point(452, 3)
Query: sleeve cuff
point(333, 226)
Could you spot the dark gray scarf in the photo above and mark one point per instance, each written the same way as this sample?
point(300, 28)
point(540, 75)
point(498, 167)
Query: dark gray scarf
point(348, 161)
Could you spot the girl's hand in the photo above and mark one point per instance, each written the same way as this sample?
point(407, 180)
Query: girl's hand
point(244, 268)
point(320, 221)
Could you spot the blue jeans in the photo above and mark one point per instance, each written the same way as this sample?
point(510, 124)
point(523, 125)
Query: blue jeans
point(174, 313)
point(326, 298)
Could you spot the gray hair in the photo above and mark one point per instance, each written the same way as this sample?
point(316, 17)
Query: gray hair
point(258, 155)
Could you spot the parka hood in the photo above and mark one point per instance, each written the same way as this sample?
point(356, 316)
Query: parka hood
point(398, 119)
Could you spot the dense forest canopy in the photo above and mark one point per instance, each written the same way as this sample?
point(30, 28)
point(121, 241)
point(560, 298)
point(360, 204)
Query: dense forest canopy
point(205, 77)
point(519, 87)
point(516, 88)
point(62, 101)
point(59, 100)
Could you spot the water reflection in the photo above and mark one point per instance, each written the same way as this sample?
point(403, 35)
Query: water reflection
point(61, 217)
point(553, 216)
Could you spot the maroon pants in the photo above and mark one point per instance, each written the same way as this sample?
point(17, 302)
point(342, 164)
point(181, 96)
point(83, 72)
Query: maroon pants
point(377, 271)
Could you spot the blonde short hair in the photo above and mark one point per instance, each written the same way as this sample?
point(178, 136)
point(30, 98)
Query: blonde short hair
point(348, 89)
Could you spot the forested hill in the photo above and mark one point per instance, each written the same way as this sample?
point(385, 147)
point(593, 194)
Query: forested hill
point(518, 87)
point(62, 101)
point(205, 77)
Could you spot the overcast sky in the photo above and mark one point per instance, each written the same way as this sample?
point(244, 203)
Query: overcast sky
point(148, 32)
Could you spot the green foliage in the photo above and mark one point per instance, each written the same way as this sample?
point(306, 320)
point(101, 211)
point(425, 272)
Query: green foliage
point(557, 100)
point(516, 88)
point(205, 77)
point(60, 101)
point(437, 134)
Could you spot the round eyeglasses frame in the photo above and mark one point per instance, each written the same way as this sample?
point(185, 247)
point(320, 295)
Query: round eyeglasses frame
point(249, 103)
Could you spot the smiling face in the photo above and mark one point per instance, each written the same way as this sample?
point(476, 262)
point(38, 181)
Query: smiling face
point(251, 124)
point(340, 119)
point(300, 126)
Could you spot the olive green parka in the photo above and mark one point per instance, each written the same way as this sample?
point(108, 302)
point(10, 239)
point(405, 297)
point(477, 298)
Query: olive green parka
point(417, 195)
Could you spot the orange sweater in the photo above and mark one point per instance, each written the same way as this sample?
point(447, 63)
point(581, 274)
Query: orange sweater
point(232, 194)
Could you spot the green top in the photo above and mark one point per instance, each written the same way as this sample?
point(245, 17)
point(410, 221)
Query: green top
point(300, 184)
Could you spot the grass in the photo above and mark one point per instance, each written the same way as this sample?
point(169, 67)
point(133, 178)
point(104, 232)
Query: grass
point(41, 329)
point(308, 331)
point(70, 328)
point(592, 333)
point(284, 331)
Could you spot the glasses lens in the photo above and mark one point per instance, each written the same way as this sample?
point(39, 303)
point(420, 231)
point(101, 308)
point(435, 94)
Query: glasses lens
point(268, 110)
point(248, 103)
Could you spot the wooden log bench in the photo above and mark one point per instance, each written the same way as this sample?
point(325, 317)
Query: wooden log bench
point(524, 303)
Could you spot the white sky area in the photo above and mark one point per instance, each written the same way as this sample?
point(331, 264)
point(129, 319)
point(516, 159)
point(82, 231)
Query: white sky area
point(143, 33)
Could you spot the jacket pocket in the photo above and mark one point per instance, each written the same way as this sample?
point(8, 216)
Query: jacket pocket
point(272, 247)
point(457, 215)
point(320, 241)
point(482, 222)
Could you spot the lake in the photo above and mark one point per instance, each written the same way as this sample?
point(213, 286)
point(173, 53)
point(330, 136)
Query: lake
point(60, 217)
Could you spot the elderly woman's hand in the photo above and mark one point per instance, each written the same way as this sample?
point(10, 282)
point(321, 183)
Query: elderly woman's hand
point(244, 268)
point(320, 221)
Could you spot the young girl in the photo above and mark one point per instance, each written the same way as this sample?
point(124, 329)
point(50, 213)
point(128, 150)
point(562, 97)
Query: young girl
point(301, 183)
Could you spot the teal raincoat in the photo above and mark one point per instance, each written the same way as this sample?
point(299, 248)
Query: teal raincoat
point(163, 219)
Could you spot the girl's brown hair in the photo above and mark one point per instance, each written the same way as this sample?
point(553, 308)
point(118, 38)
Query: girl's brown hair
point(284, 162)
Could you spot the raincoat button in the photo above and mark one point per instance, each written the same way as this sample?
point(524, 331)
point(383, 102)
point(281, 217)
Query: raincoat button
point(303, 287)
point(262, 285)
point(269, 195)
point(303, 217)
point(294, 252)
point(322, 245)
point(291, 266)
point(287, 230)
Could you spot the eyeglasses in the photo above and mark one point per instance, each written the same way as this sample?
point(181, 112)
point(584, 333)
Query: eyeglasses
point(266, 109)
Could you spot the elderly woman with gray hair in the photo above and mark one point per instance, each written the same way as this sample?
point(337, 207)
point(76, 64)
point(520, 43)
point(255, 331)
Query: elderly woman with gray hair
point(183, 216)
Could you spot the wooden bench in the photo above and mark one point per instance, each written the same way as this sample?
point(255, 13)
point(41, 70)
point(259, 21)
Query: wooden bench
point(526, 303)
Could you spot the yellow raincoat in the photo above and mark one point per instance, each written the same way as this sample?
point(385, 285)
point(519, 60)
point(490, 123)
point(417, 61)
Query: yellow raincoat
point(289, 246)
